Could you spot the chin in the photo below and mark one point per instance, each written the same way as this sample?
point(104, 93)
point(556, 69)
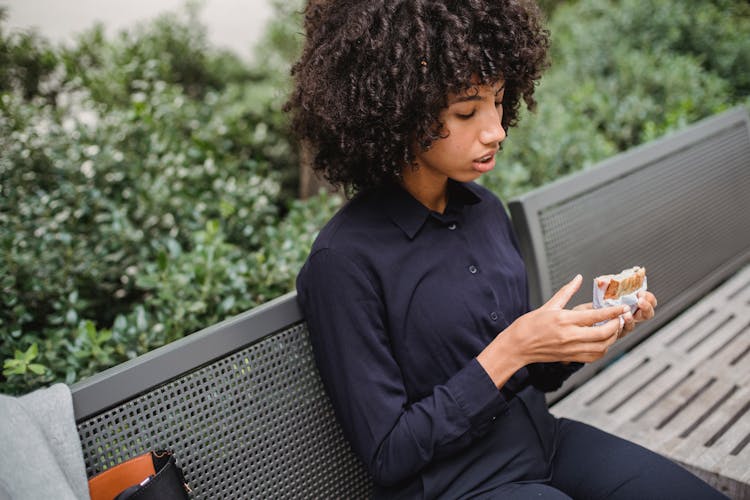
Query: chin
point(467, 177)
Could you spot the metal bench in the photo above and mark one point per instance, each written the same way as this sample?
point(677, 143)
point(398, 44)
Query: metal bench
point(241, 403)
point(680, 207)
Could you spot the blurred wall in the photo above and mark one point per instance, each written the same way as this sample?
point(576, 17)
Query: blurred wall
point(234, 24)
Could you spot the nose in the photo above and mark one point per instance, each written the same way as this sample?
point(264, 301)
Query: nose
point(492, 132)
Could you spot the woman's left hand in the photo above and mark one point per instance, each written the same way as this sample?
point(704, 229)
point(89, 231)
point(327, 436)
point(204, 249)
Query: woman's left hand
point(646, 305)
point(645, 311)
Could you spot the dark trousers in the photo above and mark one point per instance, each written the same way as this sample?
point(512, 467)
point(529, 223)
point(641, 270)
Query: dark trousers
point(592, 464)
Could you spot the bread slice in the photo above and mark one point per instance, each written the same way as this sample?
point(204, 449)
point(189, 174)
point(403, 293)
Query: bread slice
point(617, 285)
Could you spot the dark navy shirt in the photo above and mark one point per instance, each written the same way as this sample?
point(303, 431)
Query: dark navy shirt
point(399, 301)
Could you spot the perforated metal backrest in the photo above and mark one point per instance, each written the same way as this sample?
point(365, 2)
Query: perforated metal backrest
point(247, 423)
point(679, 206)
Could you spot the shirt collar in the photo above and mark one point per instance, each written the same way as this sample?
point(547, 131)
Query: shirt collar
point(410, 215)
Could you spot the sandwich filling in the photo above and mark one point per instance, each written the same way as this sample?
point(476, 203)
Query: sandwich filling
point(626, 282)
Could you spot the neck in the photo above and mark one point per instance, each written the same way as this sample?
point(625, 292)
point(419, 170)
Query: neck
point(430, 191)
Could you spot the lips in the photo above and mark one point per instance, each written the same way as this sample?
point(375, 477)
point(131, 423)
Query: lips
point(485, 163)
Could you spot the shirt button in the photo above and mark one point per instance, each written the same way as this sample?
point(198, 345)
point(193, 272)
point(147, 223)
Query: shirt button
point(452, 226)
point(493, 316)
point(473, 269)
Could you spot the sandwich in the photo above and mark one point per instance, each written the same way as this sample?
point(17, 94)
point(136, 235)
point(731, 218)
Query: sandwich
point(615, 286)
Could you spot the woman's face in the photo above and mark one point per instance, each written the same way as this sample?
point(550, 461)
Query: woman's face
point(471, 136)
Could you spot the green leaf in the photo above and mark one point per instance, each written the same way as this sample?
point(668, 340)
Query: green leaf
point(31, 352)
point(104, 335)
point(140, 319)
point(120, 323)
point(226, 208)
point(12, 363)
point(162, 261)
point(212, 227)
point(227, 303)
point(175, 250)
point(82, 354)
point(70, 375)
point(91, 331)
point(13, 367)
point(196, 307)
point(71, 317)
point(37, 368)
point(148, 282)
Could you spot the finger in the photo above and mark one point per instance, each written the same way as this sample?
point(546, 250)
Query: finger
point(560, 299)
point(598, 345)
point(593, 316)
point(645, 311)
point(599, 333)
point(646, 306)
point(584, 307)
point(648, 297)
point(628, 323)
point(608, 331)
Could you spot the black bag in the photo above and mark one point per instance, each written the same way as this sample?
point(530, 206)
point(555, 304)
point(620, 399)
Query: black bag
point(150, 476)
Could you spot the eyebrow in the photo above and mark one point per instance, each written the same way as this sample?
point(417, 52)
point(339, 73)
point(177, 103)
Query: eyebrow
point(475, 97)
point(466, 98)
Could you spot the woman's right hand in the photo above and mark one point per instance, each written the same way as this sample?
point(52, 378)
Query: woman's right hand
point(552, 333)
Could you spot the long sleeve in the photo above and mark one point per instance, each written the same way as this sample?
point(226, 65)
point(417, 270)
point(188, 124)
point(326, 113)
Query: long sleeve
point(394, 437)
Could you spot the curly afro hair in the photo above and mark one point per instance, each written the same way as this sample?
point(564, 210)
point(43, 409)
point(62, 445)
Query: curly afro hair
point(374, 76)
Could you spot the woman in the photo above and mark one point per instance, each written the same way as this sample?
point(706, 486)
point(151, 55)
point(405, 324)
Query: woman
point(415, 293)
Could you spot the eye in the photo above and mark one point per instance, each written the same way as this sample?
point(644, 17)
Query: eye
point(465, 116)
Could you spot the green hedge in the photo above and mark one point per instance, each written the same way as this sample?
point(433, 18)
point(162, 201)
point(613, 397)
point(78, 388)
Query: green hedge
point(147, 191)
point(147, 182)
point(624, 72)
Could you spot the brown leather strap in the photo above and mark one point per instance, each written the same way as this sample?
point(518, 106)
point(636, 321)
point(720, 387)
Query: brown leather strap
point(108, 484)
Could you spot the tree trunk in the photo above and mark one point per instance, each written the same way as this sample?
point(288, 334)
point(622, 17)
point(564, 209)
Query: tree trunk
point(310, 182)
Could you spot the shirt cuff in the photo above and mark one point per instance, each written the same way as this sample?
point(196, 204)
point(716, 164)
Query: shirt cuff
point(476, 394)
